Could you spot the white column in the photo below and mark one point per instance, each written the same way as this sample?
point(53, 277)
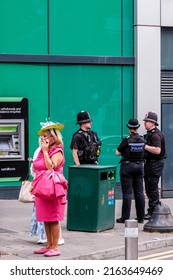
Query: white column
point(166, 13)
point(147, 58)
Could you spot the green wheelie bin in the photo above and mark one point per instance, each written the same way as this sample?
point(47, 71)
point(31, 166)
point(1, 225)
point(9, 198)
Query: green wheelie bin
point(91, 197)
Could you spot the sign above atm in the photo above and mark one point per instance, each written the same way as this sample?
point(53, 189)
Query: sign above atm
point(13, 108)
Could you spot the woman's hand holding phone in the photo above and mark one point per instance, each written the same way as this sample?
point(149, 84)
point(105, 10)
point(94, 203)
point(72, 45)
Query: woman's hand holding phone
point(45, 145)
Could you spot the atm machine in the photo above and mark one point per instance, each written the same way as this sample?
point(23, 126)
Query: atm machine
point(13, 139)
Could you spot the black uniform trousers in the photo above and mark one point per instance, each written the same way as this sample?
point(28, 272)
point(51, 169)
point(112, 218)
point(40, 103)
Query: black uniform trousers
point(152, 173)
point(131, 175)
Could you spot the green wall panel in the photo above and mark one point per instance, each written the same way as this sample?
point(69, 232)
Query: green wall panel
point(127, 27)
point(67, 27)
point(85, 27)
point(23, 26)
point(92, 88)
point(127, 97)
point(28, 81)
point(105, 91)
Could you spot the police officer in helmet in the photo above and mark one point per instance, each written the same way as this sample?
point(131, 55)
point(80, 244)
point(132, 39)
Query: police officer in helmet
point(85, 144)
point(155, 152)
point(131, 172)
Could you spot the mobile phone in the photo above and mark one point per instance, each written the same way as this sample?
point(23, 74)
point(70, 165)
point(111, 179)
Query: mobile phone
point(51, 141)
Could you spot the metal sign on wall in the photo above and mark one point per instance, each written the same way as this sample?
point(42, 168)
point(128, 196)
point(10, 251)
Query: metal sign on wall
point(13, 138)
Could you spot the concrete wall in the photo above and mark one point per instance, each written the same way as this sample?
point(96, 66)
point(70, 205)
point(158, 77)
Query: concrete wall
point(149, 17)
point(147, 57)
point(166, 13)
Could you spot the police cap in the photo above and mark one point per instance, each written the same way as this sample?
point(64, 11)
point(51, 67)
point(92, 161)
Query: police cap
point(151, 117)
point(83, 117)
point(133, 123)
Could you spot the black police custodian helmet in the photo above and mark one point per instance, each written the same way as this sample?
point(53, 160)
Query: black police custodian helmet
point(151, 117)
point(133, 124)
point(83, 117)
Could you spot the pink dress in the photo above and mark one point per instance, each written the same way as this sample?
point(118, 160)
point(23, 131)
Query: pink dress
point(50, 210)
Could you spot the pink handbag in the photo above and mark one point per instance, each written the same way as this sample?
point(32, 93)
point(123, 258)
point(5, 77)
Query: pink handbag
point(50, 185)
point(44, 186)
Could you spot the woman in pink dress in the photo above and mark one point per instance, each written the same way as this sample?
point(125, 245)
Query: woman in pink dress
point(50, 157)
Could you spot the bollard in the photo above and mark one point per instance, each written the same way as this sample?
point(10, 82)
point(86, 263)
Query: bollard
point(161, 219)
point(131, 240)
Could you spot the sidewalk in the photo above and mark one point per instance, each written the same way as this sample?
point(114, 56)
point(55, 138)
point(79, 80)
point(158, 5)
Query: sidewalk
point(16, 243)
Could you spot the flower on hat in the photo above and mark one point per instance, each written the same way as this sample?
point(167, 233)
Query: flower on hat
point(49, 125)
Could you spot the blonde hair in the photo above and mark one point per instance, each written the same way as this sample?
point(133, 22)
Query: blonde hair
point(57, 136)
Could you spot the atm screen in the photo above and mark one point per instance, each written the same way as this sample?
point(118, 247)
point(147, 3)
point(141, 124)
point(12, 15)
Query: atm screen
point(11, 139)
point(8, 128)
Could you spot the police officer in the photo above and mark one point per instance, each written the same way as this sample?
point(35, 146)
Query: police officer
point(85, 143)
point(131, 172)
point(154, 160)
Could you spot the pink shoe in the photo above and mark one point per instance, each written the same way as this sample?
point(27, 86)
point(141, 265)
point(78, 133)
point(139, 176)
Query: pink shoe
point(41, 250)
point(52, 253)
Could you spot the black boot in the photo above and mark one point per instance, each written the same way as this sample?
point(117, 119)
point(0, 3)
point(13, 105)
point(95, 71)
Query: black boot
point(120, 220)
